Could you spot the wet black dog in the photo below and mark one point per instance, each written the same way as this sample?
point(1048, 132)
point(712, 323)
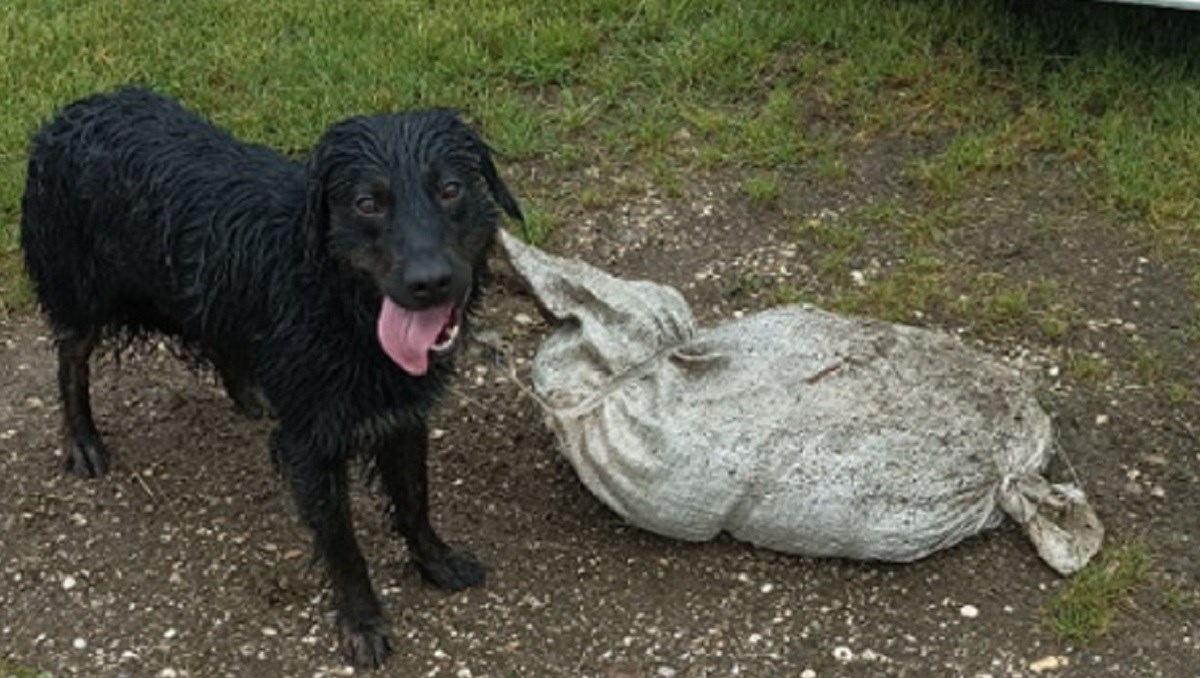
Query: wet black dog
point(331, 293)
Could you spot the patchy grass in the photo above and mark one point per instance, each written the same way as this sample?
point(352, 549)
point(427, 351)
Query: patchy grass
point(762, 187)
point(1177, 393)
point(748, 284)
point(785, 295)
point(1088, 368)
point(965, 158)
point(929, 277)
point(902, 294)
point(1085, 608)
point(1149, 366)
point(15, 291)
point(538, 226)
point(595, 199)
point(8, 669)
point(679, 87)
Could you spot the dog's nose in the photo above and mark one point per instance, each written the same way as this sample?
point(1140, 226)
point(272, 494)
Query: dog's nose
point(428, 281)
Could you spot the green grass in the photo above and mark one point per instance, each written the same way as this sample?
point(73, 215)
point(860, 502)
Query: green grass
point(11, 670)
point(1085, 609)
point(538, 226)
point(928, 278)
point(678, 86)
point(1148, 365)
point(1088, 368)
point(762, 187)
point(1177, 393)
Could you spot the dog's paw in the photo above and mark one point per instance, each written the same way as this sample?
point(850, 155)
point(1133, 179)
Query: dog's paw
point(85, 458)
point(366, 644)
point(454, 571)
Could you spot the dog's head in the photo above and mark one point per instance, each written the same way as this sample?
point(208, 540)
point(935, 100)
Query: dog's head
point(409, 202)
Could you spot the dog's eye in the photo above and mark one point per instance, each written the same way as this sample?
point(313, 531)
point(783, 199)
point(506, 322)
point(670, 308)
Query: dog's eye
point(449, 191)
point(367, 205)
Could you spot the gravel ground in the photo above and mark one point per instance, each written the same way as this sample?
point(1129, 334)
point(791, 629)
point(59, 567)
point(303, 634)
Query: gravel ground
point(187, 560)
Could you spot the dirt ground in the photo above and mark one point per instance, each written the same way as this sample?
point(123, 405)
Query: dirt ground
point(187, 559)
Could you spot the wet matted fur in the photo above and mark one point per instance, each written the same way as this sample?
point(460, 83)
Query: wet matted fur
point(328, 293)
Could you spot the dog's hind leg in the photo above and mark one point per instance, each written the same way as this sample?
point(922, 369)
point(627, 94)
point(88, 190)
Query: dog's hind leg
point(400, 460)
point(323, 500)
point(83, 448)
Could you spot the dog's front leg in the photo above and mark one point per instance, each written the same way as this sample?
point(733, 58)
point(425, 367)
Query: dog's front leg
point(318, 480)
point(401, 461)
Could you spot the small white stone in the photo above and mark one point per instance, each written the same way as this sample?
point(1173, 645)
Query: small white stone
point(767, 588)
point(1101, 419)
point(79, 644)
point(969, 611)
point(437, 433)
point(170, 633)
point(1053, 371)
point(464, 672)
point(439, 654)
point(269, 632)
point(666, 672)
point(1158, 492)
point(808, 673)
point(69, 583)
point(523, 319)
point(168, 673)
point(860, 280)
point(843, 653)
point(1049, 663)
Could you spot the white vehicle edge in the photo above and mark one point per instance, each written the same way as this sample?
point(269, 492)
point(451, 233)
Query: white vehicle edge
point(1176, 4)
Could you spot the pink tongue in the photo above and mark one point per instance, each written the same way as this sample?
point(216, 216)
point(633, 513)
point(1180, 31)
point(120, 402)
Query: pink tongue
point(406, 336)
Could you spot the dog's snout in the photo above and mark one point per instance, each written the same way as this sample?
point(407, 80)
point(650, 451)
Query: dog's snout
point(428, 281)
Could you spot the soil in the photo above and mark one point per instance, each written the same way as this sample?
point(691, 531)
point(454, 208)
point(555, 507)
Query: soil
point(187, 558)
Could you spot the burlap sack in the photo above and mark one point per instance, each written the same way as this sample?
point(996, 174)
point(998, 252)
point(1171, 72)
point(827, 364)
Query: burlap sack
point(794, 429)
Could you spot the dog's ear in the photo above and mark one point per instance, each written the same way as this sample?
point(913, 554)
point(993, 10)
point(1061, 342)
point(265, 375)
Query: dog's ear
point(487, 168)
point(318, 170)
point(316, 209)
point(500, 192)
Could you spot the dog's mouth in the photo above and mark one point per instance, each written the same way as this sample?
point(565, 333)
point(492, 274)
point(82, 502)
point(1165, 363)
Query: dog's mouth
point(409, 337)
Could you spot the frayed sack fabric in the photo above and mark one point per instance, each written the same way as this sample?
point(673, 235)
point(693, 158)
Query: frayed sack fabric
point(793, 429)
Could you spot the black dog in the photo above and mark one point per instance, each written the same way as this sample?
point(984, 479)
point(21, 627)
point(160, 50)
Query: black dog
point(330, 292)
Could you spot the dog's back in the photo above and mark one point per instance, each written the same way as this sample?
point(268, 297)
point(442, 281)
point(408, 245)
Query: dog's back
point(130, 200)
